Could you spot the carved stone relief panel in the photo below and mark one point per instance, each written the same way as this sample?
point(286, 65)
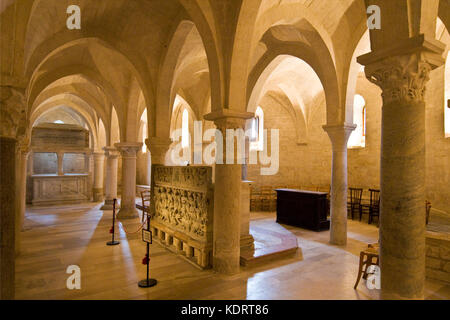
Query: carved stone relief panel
point(182, 204)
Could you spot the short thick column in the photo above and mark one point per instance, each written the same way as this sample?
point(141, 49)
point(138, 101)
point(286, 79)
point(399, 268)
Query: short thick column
point(158, 149)
point(227, 198)
point(403, 80)
point(339, 135)
point(111, 177)
point(99, 160)
point(128, 151)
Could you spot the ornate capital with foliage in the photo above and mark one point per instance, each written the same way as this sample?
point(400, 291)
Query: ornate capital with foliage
point(402, 78)
point(13, 115)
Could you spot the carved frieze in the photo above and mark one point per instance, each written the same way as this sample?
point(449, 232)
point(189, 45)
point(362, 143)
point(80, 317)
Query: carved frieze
point(182, 200)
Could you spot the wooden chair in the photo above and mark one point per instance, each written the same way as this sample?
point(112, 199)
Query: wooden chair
point(373, 208)
point(145, 196)
point(355, 201)
point(367, 258)
point(428, 209)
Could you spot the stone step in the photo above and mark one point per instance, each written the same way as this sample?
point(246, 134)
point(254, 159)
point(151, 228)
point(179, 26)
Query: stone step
point(272, 243)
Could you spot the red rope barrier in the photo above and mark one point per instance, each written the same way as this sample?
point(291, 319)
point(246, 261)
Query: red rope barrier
point(139, 229)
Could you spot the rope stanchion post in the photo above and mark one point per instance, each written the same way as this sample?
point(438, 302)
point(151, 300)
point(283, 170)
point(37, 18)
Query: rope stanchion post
point(113, 242)
point(147, 237)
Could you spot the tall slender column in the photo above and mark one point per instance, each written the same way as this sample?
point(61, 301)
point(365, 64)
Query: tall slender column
point(402, 78)
point(339, 135)
point(22, 151)
point(227, 197)
point(111, 177)
point(128, 151)
point(99, 160)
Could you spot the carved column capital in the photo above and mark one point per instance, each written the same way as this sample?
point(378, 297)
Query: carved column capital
point(111, 152)
point(402, 69)
point(24, 144)
point(13, 115)
point(98, 154)
point(128, 149)
point(229, 119)
point(339, 134)
point(156, 144)
point(402, 78)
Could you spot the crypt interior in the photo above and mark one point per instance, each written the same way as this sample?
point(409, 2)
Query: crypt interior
point(89, 115)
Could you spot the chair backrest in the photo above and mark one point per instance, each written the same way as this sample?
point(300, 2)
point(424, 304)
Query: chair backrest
point(145, 195)
point(355, 195)
point(374, 197)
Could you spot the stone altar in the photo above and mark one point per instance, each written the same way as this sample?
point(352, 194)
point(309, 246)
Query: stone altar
point(182, 211)
point(59, 170)
point(56, 189)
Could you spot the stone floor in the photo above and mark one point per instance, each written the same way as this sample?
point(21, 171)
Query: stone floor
point(57, 237)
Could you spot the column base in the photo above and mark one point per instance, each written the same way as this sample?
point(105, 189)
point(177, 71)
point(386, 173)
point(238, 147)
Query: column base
point(247, 242)
point(226, 265)
point(128, 213)
point(98, 194)
point(108, 205)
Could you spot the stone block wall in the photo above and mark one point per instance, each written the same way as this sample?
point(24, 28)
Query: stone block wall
point(438, 256)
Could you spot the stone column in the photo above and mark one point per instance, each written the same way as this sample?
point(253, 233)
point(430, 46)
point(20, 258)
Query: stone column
point(13, 126)
point(22, 150)
point(247, 241)
point(128, 151)
point(111, 177)
point(158, 149)
point(7, 216)
point(60, 156)
point(339, 135)
point(99, 160)
point(227, 197)
point(402, 78)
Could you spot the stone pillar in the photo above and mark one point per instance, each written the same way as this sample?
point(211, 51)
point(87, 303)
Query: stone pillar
point(402, 78)
point(111, 177)
point(99, 160)
point(13, 126)
point(227, 197)
point(7, 216)
point(22, 152)
point(158, 149)
point(247, 241)
point(60, 156)
point(128, 151)
point(339, 135)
